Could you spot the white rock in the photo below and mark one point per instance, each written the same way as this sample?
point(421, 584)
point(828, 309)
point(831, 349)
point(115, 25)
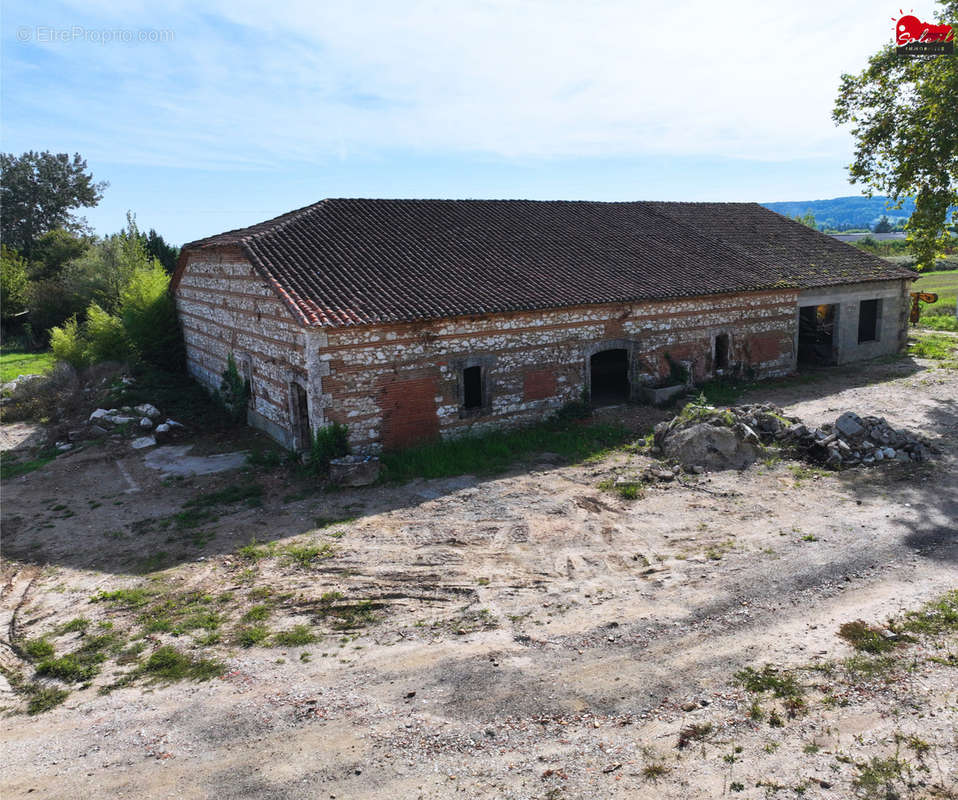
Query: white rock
point(147, 410)
point(99, 414)
point(174, 424)
point(146, 423)
point(162, 428)
point(64, 446)
point(143, 441)
point(889, 452)
point(119, 419)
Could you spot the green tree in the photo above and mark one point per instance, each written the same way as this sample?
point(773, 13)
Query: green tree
point(54, 250)
point(149, 317)
point(13, 284)
point(156, 247)
point(808, 218)
point(883, 225)
point(39, 192)
point(902, 115)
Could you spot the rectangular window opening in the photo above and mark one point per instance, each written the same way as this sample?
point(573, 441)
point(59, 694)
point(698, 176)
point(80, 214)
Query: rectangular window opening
point(721, 351)
point(472, 387)
point(868, 314)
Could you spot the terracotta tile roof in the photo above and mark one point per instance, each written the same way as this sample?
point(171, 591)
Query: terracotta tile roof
point(790, 250)
point(357, 262)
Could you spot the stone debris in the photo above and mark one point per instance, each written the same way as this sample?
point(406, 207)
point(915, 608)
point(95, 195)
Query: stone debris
point(147, 410)
point(146, 423)
point(703, 437)
point(143, 441)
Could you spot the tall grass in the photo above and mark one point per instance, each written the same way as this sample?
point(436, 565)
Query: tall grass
point(496, 451)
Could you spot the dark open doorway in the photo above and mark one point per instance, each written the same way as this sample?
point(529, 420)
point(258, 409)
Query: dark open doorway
point(816, 335)
point(610, 377)
point(302, 432)
point(721, 351)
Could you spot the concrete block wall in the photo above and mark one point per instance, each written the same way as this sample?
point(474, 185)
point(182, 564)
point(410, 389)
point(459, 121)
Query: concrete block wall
point(892, 325)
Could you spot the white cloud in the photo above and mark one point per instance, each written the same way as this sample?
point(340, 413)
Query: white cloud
point(249, 85)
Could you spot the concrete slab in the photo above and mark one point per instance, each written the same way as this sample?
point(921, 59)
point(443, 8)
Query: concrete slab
point(174, 460)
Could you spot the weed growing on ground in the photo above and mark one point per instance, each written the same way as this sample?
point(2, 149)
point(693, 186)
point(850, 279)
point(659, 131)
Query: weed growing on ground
point(168, 664)
point(865, 638)
point(304, 555)
point(297, 636)
point(124, 598)
point(936, 346)
point(37, 649)
point(495, 452)
point(696, 732)
point(251, 635)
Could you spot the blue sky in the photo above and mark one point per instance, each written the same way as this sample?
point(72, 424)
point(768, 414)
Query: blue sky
point(210, 116)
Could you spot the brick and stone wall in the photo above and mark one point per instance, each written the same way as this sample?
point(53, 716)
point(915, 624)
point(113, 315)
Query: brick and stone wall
point(401, 384)
point(226, 307)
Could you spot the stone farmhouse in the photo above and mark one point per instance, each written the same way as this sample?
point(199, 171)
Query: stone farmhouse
point(413, 319)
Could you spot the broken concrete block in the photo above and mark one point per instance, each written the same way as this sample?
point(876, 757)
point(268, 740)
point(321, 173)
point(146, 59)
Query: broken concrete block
point(711, 447)
point(850, 426)
point(354, 470)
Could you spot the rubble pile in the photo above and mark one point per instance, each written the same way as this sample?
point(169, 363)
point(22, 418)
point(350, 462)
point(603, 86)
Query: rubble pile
point(145, 419)
point(710, 438)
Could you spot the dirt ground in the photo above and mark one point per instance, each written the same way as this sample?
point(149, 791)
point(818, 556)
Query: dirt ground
point(525, 636)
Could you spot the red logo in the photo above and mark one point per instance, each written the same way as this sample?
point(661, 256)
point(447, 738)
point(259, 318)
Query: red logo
point(910, 29)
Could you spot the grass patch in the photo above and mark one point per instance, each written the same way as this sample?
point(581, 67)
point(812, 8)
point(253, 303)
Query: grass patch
point(169, 664)
point(770, 679)
point(304, 555)
point(865, 638)
point(942, 322)
point(43, 698)
point(936, 346)
point(12, 468)
point(495, 452)
point(38, 649)
point(256, 552)
point(297, 636)
point(15, 362)
point(328, 522)
point(180, 613)
point(937, 617)
point(249, 493)
point(83, 664)
point(251, 635)
point(257, 613)
point(124, 598)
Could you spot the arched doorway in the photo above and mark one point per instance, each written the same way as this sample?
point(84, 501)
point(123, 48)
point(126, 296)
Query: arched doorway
point(610, 377)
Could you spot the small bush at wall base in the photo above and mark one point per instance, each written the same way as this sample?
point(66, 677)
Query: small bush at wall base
point(328, 443)
point(234, 391)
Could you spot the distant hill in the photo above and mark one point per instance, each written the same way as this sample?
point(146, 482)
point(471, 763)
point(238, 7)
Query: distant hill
point(842, 213)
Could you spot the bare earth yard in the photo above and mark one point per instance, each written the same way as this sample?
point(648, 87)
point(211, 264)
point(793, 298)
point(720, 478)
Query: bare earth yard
point(524, 636)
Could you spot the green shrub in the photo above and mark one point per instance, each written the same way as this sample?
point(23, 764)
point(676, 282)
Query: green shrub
point(68, 344)
point(105, 338)
point(234, 391)
point(329, 442)
point(149, 318)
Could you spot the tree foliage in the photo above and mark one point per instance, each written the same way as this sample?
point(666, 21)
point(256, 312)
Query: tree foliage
point(157, 248)
point(149, 317)
point(903, 116)
point(39, 192)
point(883, 225)
point(13, 284)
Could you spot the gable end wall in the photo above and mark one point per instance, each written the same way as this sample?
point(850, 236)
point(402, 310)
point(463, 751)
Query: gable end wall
point(226, 307)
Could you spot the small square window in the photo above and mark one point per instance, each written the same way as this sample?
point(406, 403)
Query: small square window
point(869, 312)
point(472, 388)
